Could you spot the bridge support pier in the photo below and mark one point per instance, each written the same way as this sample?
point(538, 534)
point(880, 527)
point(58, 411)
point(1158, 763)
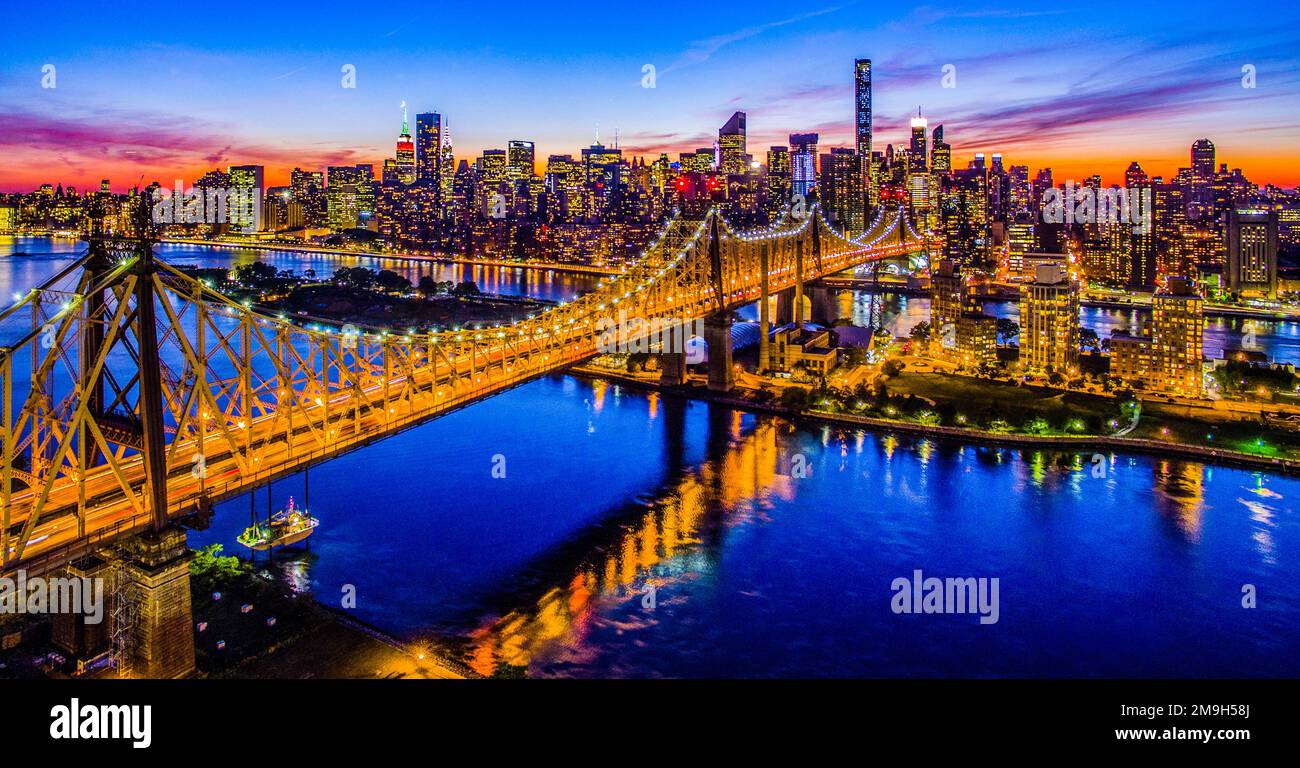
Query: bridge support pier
point(764, 312)
point(786, 303)
point(672, 369)
point(825, 309)
point(72, 633)
point(160, 643)
point(717, 334)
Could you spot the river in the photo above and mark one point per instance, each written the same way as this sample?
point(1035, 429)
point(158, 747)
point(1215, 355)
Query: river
point(631, 534)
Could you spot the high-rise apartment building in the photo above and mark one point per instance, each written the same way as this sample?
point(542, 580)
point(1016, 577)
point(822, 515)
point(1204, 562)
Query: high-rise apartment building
point(1252, 252)
point(1049, 321)
point(244, 203)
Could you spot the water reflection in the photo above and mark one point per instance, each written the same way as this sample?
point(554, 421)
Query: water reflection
point(673, 540)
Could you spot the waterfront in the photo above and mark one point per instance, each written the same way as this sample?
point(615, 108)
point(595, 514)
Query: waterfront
point(760, 573)
point(1278, 339)
point(45, 255)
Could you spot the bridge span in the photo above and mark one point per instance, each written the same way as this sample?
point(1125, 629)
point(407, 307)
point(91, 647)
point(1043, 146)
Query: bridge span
point(135, 396)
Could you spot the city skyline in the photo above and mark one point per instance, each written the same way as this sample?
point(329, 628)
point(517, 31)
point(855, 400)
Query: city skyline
point(789, 72)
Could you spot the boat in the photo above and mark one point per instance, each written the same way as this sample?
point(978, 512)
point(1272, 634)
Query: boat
point(288, 526)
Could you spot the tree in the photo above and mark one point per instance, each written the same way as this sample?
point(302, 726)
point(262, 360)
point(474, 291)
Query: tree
point(794, 398)
point(428, 286)
point(466, 288)
point(892, 367)
point(392, 282)
point(1088, 339)
point(1007, 330)
point(257, 272)
point(922, 331)
point(354, 277)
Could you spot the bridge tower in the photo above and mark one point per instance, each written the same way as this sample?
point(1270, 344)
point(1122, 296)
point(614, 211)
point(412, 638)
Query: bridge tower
point(717, 325)
point(764, 309)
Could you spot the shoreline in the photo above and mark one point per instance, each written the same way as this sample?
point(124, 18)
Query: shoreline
point(1210, 310)
point(1213, 456)
point(414, 257)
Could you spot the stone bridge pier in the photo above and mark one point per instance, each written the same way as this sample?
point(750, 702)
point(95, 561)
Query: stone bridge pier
point(717, 335)
point(818, 304)
point(150, 574)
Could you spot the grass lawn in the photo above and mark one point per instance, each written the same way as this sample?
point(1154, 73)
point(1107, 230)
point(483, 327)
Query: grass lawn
point(968, 391)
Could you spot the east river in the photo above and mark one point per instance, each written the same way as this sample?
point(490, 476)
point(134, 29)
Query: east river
point(639, 535)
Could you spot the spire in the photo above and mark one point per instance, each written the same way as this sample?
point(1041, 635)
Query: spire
point(406, 129)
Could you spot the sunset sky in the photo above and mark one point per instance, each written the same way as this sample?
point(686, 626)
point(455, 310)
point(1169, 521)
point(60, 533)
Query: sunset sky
point(166, 91)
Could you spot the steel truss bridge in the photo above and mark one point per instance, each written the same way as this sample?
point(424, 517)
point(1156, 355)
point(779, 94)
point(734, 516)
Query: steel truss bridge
point(135, 396)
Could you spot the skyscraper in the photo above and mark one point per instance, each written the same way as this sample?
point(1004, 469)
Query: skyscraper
point(940, 152)
point(862, 130)
point(1252, 252)
point(918, 158)
point(862, 98)
point(428, 149)
point(803, 162)
point(245, 201)
point(840, 188)
point(405, 152)
point(778, 179)
point(520, 160)
point(1203, 158)
point(731, 146)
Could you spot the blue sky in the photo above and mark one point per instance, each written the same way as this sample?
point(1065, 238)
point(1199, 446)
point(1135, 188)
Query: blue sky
point(163, 91)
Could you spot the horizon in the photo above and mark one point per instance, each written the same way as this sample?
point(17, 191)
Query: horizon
point(1022, 88)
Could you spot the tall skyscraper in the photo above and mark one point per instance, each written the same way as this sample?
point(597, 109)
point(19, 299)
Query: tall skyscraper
point(731, 146)
point(803, 162)
point(520, 160)
point(1203, 158)
point(862, 131)
point(405, 152)
point(862, 102)
point(940, 152)
point(918, 158)
point(428, 149)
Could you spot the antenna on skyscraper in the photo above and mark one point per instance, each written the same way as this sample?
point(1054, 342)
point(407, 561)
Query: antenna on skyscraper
point(615, 138)
point(598, 134)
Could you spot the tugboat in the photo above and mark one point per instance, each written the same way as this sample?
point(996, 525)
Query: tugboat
point(288, 526)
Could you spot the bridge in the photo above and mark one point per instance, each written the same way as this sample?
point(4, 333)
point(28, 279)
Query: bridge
point(136, 397)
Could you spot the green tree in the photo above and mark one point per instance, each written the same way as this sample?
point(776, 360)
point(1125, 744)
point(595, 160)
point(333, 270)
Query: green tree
point(795, 398)
point(1007, 329)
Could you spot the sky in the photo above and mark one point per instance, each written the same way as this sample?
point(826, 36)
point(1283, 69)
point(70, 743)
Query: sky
point(145, 92)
